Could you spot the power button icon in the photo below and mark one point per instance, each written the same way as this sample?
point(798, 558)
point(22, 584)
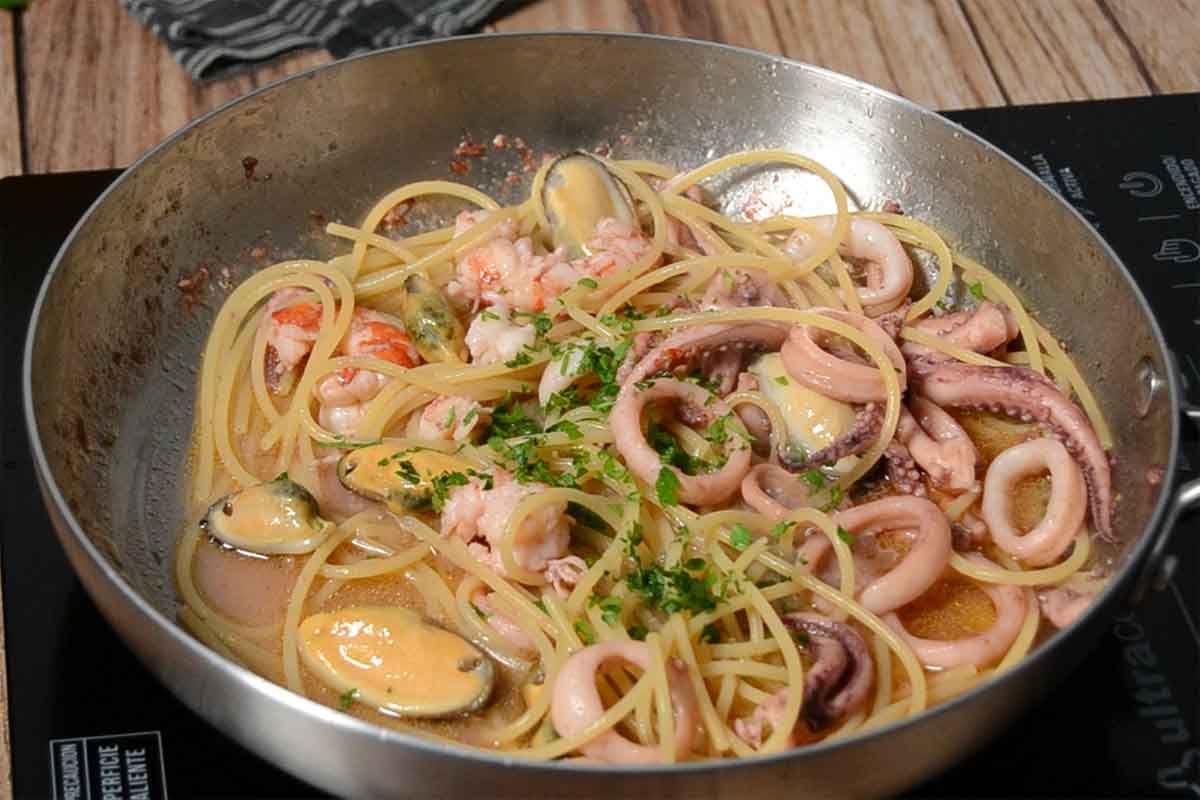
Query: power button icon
point(1141, 184)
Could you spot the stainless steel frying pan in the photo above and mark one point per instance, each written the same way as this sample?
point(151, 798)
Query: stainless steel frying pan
point(111, 359)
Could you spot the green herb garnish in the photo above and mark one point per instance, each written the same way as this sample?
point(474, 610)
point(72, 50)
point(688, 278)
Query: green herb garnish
point(740, 537)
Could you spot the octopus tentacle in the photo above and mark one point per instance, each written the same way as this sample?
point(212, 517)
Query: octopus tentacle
point(982, 329)
point(1065, 511)
point(938, 444)
point(838, 683)
point(834, 686)
point(704, 346)
point(576, 704)
point(902, 470)
point(737, 288)
point(834, 376)
point(1022, 393)
point(626, 422)
point(979, 650)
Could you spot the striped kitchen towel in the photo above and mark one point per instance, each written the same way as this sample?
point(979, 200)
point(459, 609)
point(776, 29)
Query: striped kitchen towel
point(218, 38)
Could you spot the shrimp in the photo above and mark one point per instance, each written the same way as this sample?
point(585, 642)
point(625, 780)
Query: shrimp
point(479, 516)
point(344, 394)
point(494, 338)
point(513, 633)
point(505, 269)
point(291, 330)
point(450, 418)
point(500, 269)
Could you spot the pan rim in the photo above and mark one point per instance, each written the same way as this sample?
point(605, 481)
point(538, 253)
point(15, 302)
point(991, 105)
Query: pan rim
point(134, 602)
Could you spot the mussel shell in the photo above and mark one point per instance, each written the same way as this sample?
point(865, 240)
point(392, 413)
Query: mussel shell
point(435, 329)
point(579, 191)
point(279, 517)
point(401, 477)
point(394, 660)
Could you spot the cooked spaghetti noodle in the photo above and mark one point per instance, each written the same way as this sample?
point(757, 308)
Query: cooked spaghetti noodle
point(691, 484)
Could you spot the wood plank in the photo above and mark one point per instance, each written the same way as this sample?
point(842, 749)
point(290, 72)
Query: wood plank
point(607, 15)
point(743, 24)
point(1045, 52)
point(1165, 36)
point(10, 119)
point(922, 50)
point(114, 90)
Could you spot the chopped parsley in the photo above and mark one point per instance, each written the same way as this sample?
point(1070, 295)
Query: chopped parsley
point(689, 587)
point(588, 283)
point(347, 698)
point(780, 529)
point(814, 478)
point(611, 468)
point(486, 315)
point(441, 488)
point(482, 614)
point(740, 537)
point(541, 605)
point(528, 468)
point(450, 417)
point(610, 608)
point(569, 428)
point(718, 432)
point(667, 487)
point(709, 634)
point(638, 633)
point(470, 415)
point(283, 476)
point(562, 401)
point(407, 472)
point(541, 322)
point(586, 634)
point(522, 359)
point(835, 499)
point(976, 290)
point(782, 380)
point(845, 535)
point(509, 420)
point(586, 517)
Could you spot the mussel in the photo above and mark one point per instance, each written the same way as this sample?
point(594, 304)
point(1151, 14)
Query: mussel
point(392, 659)
point(279, 517)
point(400, 477)
point(813, 420)
point(436, 330)
point(579, 192)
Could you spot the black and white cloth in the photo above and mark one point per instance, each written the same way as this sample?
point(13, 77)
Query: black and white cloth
point(218, 38)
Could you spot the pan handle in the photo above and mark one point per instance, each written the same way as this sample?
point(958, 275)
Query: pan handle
point(1160, 566)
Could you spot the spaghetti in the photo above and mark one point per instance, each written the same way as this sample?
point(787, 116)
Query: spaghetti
point(677, 507)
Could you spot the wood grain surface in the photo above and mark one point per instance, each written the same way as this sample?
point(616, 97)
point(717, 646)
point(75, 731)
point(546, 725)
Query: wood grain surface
point(99, 89)
point(10, 118)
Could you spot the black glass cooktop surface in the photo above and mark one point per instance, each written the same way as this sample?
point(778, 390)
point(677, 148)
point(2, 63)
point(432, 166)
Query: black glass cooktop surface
point(87, 721)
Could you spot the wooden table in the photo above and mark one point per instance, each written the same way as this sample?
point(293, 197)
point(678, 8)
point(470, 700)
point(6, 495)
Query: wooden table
point(83, 86)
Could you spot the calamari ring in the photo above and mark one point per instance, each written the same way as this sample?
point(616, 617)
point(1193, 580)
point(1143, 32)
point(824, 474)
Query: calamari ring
point(576, 703)
point(835, 377)
point(1065, 512)
point(983, 648)
point(925, 560)
point(643, 461)
point(774, 492)
point(890, 270)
